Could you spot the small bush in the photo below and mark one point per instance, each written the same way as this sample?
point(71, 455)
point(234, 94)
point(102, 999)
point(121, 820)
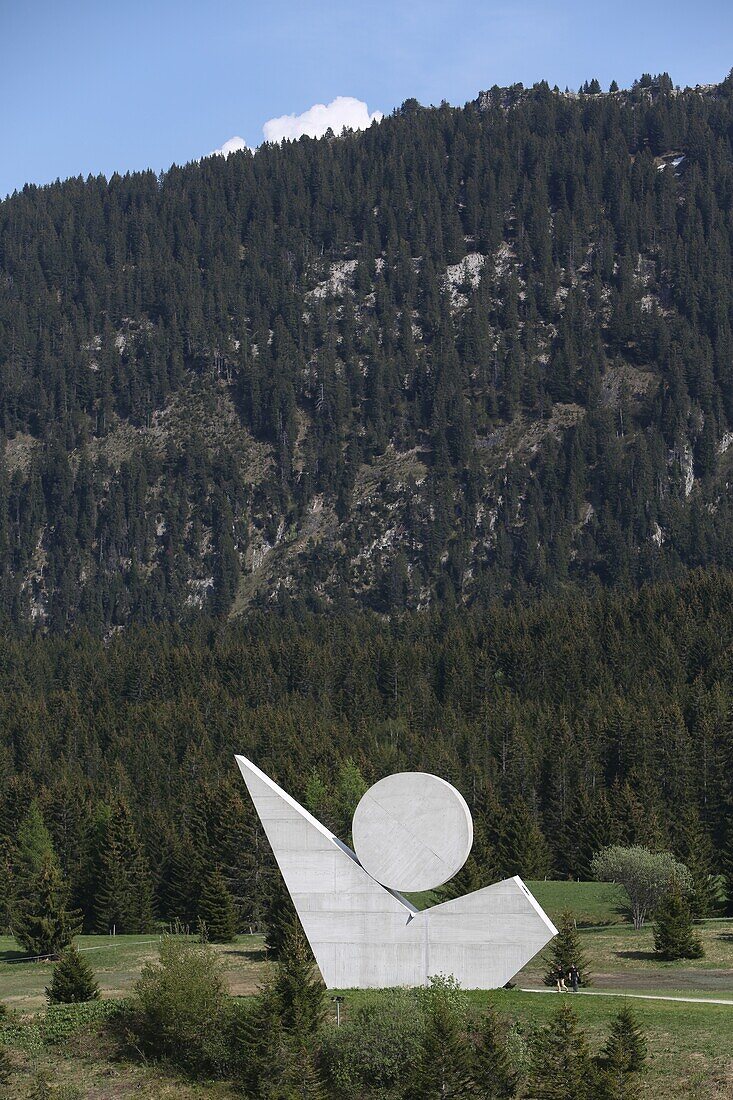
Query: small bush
point(180, 1009)
point(62, 1020)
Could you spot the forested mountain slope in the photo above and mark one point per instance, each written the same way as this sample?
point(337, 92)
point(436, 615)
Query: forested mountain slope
point(467, 354)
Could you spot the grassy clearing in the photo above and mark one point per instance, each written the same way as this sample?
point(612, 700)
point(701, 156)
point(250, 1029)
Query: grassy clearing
point(592, 902)
point(117, 963)
point(620, 958)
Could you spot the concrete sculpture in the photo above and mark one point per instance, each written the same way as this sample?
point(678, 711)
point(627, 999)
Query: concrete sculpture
point(412, 831)
point(366, 935)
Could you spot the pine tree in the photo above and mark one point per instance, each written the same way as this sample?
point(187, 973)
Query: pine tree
point(7, 890)
point(124, 891)
point(259, 1040)
point(279, 915)
point(443, 1066)
point(273, 1063)
point(565, 951)
point(299, 988)
point(180, 890)
point(523, 849)
point(299, 1076)
point(73, 979)
point(216, 909)
point(492, 1067)
point(471, 877)
point(562, 1068)
point(674, 934)
point(34, 845)
point(626, 1045)
point(622, 1059)
point(44, 923)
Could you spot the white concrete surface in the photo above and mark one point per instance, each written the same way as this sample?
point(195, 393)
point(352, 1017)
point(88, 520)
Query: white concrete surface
point(412, 831)
point(366, 936)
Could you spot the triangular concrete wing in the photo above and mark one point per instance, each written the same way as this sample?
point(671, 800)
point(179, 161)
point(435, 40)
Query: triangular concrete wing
point(354, 925)
point(485, 937)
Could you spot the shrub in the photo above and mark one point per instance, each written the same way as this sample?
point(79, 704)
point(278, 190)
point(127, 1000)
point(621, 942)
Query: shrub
point(646, 875)
point(6, 1068)
point(179, 1010)
point(371, 1054)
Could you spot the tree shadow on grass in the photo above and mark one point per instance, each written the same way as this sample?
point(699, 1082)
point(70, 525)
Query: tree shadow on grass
point(254, 954)
point(13, 956)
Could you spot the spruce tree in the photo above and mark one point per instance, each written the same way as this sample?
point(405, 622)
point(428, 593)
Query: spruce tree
point(274, 1063)
point(44, 923)
point(674, 932)
point(565, 951)
point(6, 894)
point(522, 848)
point(124, 891)
point(34, 845)
point(622, 1059)
point(443, 1065)
point(180, 891)
point(279, 915)
point(216, 909)
point(73, 979)
point(299, 1076)
point(258, 1039)
point(562, 1068)
point(626, 1045)
point(492, 1068)
point(299, 988)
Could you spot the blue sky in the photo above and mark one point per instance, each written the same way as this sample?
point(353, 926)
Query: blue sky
point(104, 85)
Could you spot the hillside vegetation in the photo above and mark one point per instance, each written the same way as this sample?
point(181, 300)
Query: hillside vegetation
point(468, 354)
point(568, 725)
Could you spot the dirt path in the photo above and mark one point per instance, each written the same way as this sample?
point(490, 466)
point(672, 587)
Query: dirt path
point(638, 996)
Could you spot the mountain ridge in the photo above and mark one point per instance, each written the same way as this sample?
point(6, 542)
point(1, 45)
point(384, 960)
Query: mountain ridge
point(470, 354)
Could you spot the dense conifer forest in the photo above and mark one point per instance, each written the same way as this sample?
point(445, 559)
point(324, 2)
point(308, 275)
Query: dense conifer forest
point(407, 448)
point(469, 354)
point(568, 725)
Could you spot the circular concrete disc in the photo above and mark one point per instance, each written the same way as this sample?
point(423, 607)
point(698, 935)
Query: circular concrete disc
point(412, 831)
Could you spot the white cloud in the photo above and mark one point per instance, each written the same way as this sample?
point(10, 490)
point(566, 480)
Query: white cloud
point(342, 111)
point(234, 145)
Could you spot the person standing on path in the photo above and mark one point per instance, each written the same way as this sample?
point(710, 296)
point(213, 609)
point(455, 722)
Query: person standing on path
point(560, 980)
point(574, 977)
